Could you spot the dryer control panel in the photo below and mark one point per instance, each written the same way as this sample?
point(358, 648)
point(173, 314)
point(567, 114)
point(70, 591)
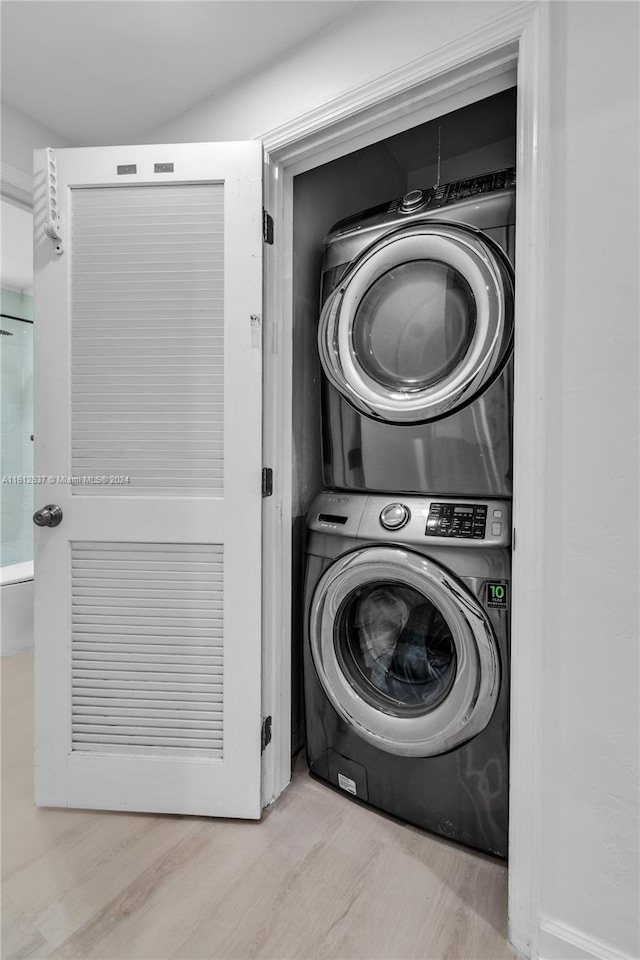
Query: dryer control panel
point(461, 189)
point(454, 192)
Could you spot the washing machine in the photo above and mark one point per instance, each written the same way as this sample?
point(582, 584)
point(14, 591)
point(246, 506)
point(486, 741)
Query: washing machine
point(415, 340)
point(406, 659)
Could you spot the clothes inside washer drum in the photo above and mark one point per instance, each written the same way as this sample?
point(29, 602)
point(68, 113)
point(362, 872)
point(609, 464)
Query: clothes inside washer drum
point(406, 648)
point(424, 650)
point(381, 615)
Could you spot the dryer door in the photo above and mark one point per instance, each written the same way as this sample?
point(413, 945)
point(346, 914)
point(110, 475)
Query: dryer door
point(404, 652)
point(420, 323)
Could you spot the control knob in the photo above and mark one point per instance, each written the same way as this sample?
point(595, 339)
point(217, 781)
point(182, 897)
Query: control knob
point(395, 516)
point(413, 200)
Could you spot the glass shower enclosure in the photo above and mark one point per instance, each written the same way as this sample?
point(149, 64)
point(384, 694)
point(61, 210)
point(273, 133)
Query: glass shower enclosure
point(16, 436)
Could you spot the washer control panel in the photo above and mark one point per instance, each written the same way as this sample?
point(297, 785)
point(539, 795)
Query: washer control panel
point(468, 520)
point(415, 520)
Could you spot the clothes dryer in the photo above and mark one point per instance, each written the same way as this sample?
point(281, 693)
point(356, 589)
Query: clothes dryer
point(406, 659)
point(415, 339)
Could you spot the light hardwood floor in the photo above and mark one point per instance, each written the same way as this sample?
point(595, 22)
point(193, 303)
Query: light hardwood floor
point(318, 877)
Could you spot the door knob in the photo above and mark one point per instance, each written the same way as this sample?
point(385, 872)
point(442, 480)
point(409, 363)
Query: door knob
point(49, 516)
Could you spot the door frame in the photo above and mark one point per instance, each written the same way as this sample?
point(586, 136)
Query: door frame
point(516, 43)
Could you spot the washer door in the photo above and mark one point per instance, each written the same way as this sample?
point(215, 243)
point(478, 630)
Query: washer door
point(420, 323)
point(403, 651)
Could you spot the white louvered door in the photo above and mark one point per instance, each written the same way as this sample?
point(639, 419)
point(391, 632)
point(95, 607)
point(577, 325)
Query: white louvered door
point(148, 437)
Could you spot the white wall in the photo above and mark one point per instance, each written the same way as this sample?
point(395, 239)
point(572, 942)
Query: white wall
point(590, 762)
point(21, 136)
point(591, 722)
point(372, 42)
point(16, 248)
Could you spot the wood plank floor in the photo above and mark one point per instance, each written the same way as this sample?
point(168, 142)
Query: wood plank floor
point(318, 877)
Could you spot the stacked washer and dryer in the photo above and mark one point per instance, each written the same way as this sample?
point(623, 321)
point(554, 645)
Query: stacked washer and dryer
point(406, 650)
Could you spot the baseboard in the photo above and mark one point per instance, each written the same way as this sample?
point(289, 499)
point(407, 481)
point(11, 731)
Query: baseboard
point(559, 941)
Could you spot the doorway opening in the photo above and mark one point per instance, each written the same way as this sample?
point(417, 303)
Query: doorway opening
point(514, 48)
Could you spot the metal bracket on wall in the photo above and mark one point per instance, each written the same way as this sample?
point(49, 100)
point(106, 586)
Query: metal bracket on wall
point(52, 227)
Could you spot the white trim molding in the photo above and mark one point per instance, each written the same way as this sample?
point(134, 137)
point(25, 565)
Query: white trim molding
point(428, 78)
point(559, 941)
point(474, 66)
point(530, 488)
point(428, 96)
point(16, 187)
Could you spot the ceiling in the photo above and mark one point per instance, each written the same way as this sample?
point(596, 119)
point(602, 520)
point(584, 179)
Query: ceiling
point(108, 71)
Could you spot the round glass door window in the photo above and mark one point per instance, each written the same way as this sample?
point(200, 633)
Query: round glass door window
point(405, 654)
point(414, 325)
point(396, 648)
point(420, 323)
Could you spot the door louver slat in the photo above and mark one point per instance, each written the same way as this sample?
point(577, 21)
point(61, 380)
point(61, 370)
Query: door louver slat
point(147, 338)
point(148, 678)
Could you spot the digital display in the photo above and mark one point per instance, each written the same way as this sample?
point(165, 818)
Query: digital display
point(463, 509)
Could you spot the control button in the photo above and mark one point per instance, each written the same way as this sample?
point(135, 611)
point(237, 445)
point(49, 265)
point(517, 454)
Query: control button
point(497, 514)
point(395, 516)
point(413, 201)
point(496, 529)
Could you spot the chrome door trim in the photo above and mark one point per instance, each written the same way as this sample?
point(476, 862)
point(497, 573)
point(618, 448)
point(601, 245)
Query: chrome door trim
point(471, 701)
point(490, 277)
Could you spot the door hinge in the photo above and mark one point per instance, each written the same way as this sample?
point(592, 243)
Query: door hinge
point(265, 736)
point(267, 481)
point(267, 227)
